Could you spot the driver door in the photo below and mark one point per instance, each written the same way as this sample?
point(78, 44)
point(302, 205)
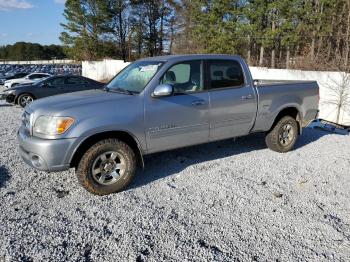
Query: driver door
point(181, 119)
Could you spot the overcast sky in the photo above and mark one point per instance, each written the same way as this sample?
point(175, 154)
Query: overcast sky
point(36, 21)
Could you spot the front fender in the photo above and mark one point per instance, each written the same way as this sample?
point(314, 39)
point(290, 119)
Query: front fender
point(81, 140)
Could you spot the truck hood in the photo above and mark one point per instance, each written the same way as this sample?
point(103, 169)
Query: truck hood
point(76, 103)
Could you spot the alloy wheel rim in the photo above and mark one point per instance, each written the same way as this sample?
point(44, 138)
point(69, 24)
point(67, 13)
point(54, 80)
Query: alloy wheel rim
point(286, 135)
point(25, 100)
point(108, 168)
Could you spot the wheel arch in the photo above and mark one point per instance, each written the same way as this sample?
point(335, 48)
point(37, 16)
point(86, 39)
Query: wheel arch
point(124, 136)
point(289, 111)
point(24, 93)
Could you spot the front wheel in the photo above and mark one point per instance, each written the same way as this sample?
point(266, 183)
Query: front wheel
point(107, 167)
point(283, 136)
point(25, 99)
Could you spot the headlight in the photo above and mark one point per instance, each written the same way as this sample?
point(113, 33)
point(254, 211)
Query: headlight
point(52, 125)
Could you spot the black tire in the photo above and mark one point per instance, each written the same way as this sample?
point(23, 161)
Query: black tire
point(92, 157)
point(25, 97)
point(281, 140)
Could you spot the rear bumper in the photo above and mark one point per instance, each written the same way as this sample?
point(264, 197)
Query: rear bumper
point(42, 154)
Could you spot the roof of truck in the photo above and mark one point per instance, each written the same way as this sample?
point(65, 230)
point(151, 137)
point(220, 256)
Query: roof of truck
point(189, 57)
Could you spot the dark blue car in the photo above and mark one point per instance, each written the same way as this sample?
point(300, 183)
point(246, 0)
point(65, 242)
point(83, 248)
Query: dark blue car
point(25, 94)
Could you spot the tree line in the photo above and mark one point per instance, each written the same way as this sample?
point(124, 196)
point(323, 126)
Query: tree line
point(31, 51)
point(311, 34)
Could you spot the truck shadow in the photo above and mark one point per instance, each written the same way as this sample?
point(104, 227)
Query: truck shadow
point(168, 163)
point(4, 176)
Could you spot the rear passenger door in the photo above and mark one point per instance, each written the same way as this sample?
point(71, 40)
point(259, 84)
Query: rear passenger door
point(233, 102)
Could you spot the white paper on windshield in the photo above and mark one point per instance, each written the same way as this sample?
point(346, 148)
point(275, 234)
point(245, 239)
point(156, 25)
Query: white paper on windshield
point(149, 68)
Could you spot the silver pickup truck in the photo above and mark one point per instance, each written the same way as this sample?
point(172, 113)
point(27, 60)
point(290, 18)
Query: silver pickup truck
point(157, 104)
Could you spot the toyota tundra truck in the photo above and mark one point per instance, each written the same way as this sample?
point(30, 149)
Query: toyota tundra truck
point(158, 104)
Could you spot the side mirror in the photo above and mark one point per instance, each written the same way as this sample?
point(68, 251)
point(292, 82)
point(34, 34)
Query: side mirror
point(163, 90)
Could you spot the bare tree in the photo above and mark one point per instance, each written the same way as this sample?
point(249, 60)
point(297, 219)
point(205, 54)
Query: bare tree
point(338, 94)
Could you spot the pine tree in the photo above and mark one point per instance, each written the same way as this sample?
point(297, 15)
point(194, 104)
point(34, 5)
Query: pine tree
point(84, 28)
point(117, 23)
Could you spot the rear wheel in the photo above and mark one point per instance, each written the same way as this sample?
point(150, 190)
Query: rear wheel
point(282, 137)
point(107, 167)
point(25, 99)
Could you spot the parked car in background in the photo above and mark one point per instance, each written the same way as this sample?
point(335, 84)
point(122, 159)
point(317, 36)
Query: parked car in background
point(53, 69)
point(158, 104)
point(54, 85)
point(11, 76)
point(31, 78)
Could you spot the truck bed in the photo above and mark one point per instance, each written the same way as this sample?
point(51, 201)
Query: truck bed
point(276, 95)
point(270, 82)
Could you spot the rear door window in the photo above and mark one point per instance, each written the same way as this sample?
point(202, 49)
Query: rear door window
point(55, 82)
point(33, 76)
point(37, 76)
point(225, 74)
point(74, 81)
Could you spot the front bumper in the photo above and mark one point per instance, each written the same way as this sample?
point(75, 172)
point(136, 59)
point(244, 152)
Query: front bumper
point(9, 98)
point(44, 154)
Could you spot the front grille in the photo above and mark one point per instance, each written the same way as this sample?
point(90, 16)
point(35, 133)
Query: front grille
point(26, 120)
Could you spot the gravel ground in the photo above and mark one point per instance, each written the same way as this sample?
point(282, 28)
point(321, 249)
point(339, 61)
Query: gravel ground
point(224, 201)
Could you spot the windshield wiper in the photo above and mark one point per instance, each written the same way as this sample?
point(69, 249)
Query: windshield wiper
point(121, 90)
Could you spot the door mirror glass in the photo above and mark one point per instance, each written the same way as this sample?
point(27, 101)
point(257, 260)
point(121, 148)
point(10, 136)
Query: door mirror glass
point(163, 90)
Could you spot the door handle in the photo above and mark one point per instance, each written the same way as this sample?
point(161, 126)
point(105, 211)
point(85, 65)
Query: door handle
point(198, 102)
point(247, 97)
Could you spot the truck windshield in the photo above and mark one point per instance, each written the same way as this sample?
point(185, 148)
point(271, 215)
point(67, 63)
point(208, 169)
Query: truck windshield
point(135, 77)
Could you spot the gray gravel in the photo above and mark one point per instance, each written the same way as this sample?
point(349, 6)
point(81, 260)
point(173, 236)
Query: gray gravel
point(225, 201)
